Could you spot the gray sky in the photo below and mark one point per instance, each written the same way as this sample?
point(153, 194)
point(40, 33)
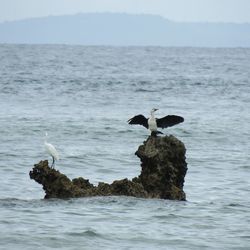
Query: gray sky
point(177, 10)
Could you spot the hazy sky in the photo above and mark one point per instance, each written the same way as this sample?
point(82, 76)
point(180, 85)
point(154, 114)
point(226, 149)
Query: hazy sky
point(178, 10)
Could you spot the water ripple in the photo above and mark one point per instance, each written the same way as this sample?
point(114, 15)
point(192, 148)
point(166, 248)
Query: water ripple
point(83, 96)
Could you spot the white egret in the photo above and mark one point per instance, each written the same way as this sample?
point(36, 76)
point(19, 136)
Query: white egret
point(51, 150)
point(152, 123)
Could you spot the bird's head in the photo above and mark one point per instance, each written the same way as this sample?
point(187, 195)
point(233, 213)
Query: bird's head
point(153, 110)
point(46, 136)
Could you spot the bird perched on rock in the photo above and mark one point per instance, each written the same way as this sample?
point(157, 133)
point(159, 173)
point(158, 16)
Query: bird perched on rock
point(153, 123)
point(51, 150)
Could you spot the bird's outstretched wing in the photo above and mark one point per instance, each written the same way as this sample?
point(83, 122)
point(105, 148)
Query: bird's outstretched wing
point(140, 120)
point(169, 120)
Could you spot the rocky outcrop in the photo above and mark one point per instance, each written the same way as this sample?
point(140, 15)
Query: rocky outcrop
point(163, 169)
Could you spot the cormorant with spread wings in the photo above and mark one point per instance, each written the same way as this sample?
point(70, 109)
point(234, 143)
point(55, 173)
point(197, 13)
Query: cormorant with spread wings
point(153, 123)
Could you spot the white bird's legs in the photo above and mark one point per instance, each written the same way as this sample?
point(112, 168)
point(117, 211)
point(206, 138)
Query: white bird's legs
point(53, 162)
point(51, 151)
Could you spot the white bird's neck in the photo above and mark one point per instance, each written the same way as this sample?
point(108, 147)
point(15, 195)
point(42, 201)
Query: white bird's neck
point(152, 122)
point(45, 138)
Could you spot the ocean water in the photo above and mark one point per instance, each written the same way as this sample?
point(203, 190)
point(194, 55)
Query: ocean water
point(83, 96)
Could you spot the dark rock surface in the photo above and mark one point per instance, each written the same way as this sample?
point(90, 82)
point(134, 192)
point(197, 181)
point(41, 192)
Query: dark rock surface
point(164, 167)
point(162, 175)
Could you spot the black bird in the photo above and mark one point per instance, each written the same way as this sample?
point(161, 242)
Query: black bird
point(153, 123)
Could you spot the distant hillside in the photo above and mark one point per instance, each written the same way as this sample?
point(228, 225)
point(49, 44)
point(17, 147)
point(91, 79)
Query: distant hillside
point(123, 29)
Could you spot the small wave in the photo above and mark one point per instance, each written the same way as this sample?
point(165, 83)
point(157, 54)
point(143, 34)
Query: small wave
point(16, 201)
point(167, 216)
point(145, 90)
point(88, 233)
point(245, 167)
point(12, 202)
point(236, 205)
point(3, 200)
point(245, 236)
point(198, 83)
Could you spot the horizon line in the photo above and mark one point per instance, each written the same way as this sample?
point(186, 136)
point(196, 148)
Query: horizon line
point(123, 13)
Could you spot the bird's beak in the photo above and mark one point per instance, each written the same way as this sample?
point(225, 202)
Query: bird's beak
point(156, 109)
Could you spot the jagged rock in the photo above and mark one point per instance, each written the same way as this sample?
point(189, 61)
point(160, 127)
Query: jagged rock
point(164, 167)
point(55, 184)
point(162, 175)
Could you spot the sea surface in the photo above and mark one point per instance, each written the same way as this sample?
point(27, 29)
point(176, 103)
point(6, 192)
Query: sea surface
point(83, 96)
